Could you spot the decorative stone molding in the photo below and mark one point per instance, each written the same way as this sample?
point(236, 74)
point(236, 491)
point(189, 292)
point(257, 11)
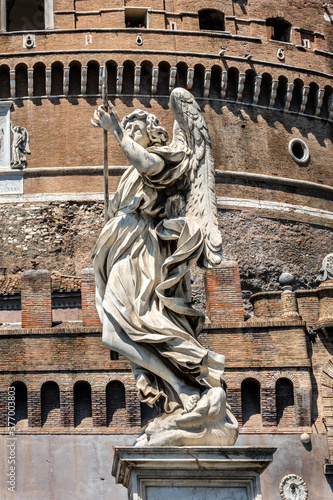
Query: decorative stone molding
point(137, 79)
point(211, 77)
point(207, 80)
point(240, 89)
point(289, 375)
point(288, 96)
point(172, 79)
point(119, 81)
point(154, 80)
point(100, 79)
point(30, 82)
point(48, 81)
point(275, 84)
point(12, 76)
point(305, 95)
point(189, 80)
point(84, 78)
point(224, 83)
point(66, 81)
point(292, 487)
point(257, 87)
point(320, 99)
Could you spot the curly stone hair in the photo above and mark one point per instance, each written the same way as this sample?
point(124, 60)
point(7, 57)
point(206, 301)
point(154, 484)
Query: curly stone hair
point(156, 133)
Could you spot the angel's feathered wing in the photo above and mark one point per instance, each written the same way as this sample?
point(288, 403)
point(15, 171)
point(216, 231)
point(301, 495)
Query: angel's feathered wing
point(190, 131)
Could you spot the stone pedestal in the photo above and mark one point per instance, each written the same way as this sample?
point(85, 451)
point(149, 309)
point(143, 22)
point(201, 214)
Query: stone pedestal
point(191, 473)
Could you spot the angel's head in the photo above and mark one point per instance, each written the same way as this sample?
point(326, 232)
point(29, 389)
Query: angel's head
point(144, 128)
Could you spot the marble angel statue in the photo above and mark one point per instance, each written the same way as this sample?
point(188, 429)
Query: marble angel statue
point(20, 147)
point(163, 221)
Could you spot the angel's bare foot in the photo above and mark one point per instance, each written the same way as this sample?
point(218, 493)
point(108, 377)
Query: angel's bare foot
point(189, 401)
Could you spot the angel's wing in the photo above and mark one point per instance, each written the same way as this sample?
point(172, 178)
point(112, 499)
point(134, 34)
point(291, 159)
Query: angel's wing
point(190, 130)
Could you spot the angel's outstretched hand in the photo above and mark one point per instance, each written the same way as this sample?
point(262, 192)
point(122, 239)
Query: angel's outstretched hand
point(107, 121)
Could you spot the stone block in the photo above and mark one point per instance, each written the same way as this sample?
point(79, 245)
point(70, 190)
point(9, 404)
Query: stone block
point(187, 473)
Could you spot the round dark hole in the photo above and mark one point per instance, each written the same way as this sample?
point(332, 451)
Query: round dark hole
point(298, 150)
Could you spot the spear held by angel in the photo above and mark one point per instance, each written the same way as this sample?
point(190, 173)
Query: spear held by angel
point(163, 221)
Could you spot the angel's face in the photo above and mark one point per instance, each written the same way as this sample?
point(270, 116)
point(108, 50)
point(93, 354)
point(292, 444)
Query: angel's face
point(137, 130)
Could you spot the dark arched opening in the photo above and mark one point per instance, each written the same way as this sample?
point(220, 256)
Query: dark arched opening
point(284, 402)
point(163, 78)
point(128, 78)
point(111, 67)
point(296, 99)
point(281, 92)
point(232, 86)
point(39, 79)
point(21, 405)
point(265, 90)
point(93, 77)
point(181, 75)
point(198, 80)
point(57, 78)
point(312, 99)
point(50, 404)
point(74, 78)
point(215, 83)
point(4, 81)
point(146, 76)
point(115, 403)
point(251, 413)
point(248, 86)
point(82, 405)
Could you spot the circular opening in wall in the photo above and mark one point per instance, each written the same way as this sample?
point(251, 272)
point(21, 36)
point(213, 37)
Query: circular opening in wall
point(299, 151)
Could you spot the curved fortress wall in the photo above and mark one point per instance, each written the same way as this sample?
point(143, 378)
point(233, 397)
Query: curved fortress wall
point(262, 77)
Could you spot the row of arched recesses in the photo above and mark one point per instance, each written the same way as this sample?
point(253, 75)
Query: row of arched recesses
point(50, 413)
point(251, 403)
point(129, 79)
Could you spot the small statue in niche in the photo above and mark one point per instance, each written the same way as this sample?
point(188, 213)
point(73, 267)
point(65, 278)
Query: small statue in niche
point(326, 270)
point(20, 147)
point(163, 220)
point(2, 135)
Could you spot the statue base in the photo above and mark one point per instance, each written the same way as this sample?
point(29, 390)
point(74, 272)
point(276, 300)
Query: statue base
point(205, 473)
point(210, 423)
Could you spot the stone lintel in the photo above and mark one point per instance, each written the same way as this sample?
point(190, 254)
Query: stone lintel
point(161, 473)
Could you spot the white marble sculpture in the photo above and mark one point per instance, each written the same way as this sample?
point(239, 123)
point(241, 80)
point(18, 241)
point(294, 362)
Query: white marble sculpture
point(163, 221)
point(20, 147)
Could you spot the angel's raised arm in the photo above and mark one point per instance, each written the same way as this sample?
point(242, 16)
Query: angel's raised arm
point(135, 150)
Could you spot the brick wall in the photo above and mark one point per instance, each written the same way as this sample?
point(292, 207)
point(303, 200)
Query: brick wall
point(88, 291)
point(223, 293)
point(36, 299)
